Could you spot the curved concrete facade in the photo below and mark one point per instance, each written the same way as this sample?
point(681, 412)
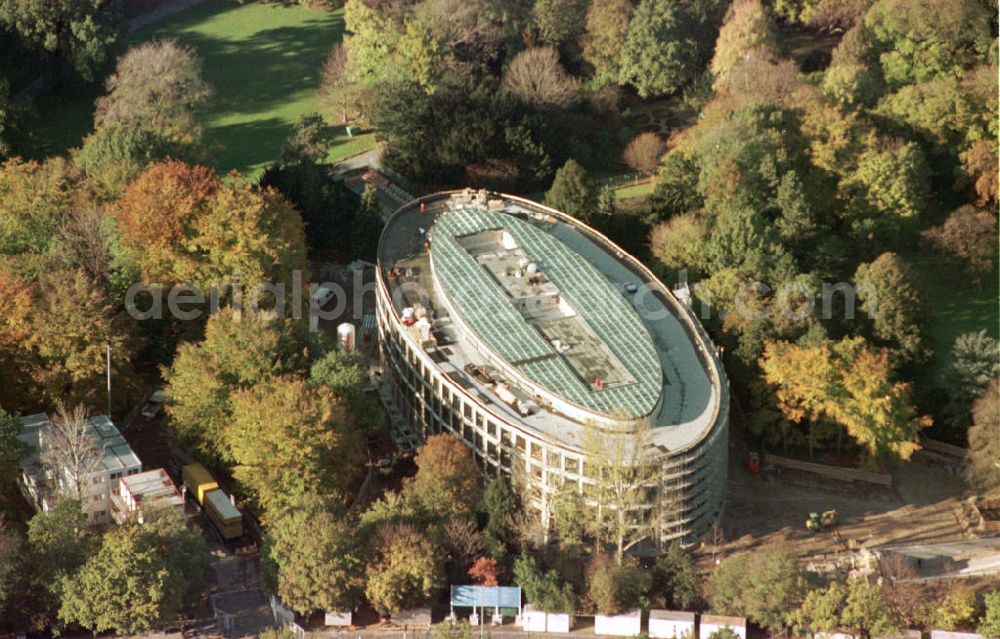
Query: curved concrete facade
point(447, 369)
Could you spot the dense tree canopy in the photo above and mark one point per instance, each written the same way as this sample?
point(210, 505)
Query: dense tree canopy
point(405, 571)
point(765, 586)
point(447, 479)
point(83, 33)
point(288, 439)
point(138, 579)
point(659, 53)
point(314, 560)
point(850, 384)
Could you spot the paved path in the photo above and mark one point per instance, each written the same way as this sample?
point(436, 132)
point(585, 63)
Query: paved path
point(161, 13)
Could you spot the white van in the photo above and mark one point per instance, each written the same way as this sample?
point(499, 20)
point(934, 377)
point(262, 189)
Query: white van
point(322, 295)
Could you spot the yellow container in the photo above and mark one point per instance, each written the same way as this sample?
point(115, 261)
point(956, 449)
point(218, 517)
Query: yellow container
point(198, 481)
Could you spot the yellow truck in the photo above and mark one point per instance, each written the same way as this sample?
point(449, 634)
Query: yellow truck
point(213, 500)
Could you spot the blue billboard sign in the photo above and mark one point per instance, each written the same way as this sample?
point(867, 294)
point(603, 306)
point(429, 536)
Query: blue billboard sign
point(486, 596)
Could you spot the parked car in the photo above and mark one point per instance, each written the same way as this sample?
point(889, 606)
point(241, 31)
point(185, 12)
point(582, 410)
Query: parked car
point(322, 295)
point(154, 404)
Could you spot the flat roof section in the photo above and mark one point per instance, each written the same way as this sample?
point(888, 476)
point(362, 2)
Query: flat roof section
point(591, 329)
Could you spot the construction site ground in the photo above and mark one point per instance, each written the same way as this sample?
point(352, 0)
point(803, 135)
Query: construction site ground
point(922, 507)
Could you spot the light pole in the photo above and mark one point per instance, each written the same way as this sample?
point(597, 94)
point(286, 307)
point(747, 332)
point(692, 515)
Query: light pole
point(109, 378)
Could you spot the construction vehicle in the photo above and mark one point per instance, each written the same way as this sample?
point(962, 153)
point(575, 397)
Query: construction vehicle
point(818, 522)
point(213, 500)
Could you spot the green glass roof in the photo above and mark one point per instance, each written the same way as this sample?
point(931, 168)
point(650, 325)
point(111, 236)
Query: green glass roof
point(490, 312)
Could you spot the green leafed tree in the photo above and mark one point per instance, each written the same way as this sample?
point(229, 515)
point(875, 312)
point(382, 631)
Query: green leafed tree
point(615, 588)
point(888, 191)
point(560, 23)
point(606, 27)
point(989, 623)
point(659, 53)
point(12, 449)
point(500, 505)
point(157, 86)
point(288, 439)
point(888, 291)
point(83, 33)
point(237, 353)
point(676, 580)
point(572, 191)
point(857, 607)
point(313, 559)
point(137, 581)
point(917, 41)
point(764, 586)
point(405, 570)
point(544, 590)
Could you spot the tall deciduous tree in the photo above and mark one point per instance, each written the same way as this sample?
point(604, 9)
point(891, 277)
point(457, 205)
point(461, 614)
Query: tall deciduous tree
point(288, 439)
point(560, 23)
point(157, 86)
point(405, 571)
point(71, 325)
point(865, 613)
point(33, 198)
point(12, 449)
point(967, 236)
point(335, 90)
point(237, 353)
point(314, 560)
point(606, 27)
point(136, 582)
point(60, 542)
point(888, 290)
point(747, 27)
point(623, 476)
point(765, 586)
point(888, 191)
point(643, 152)
point(71, 451)
point(81, 32)
point(660, 53)
point(156, 218)
point(923, 40)
point(447, 480)
point(537, 79)
point(983, 470)
point(616, 588)
point(847, 383)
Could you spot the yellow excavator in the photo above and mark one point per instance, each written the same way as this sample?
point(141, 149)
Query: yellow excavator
point(818, 522)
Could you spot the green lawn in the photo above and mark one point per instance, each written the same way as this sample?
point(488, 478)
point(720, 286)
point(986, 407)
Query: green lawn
point(955, 306)
point(635, 190)
point(263, 60)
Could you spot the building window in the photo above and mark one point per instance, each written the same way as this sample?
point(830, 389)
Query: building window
point(536, 452)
